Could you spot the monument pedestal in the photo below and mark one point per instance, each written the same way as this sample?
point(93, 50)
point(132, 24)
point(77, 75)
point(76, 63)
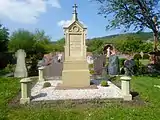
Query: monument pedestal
point(75, 74)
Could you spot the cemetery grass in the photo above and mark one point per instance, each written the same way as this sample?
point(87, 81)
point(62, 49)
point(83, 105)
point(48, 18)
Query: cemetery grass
point(97, 110)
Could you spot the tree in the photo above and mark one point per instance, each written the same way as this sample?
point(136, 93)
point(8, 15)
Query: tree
point(4, 38)
point(43, 44)
point(59, 45)
point(137, 14)
point(21, 39)
point(95, 46)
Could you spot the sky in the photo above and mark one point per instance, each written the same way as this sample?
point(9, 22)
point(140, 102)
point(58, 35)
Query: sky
point(51, 16)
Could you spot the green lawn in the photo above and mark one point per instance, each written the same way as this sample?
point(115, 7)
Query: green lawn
point(90, 111)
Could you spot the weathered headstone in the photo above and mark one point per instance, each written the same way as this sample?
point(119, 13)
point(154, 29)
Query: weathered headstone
point(99, 64)
point(129, 67)
point(75, 67)
point(113, 66)
point(21, 70)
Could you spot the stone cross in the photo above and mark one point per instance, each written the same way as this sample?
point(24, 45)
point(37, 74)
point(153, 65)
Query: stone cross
point(75, 12)
point(21, 70)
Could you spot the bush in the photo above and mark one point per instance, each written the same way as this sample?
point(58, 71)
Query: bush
point(146, 56)
point(90, 66)
point(10, 68)
point(140, 68)
point(121, 62)
point(47, 84)
point(137, 56)
point(92, 72)
point(104, 83)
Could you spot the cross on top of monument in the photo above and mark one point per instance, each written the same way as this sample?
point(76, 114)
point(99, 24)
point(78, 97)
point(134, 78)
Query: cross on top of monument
point(75, 8)
point(75, 18)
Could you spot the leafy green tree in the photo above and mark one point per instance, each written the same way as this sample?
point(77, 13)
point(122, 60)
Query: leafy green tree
point(43, 42)
point(59, 45)
point(95, 46)
point(132, 44)
point(136, 14)
point(21, 39)
point(4, 38)
point(146, 47)
point(35, 45)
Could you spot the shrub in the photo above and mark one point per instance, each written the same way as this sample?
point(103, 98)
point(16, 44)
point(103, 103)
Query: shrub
point(121, 62)
point(104, 83)
point(47, 84)
point(140, 68)
point(92, 72)
point(90, 66)
point(146, 56)
point(137, 56)
point(10, 68)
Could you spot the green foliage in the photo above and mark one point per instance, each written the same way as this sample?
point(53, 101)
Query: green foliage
point(4, 38)
point(129, 44)
point(146, 47)
point(10, 68)
point(59, 45)
point(91, 66)
point(43, 44)
point(137, 56)
point(104, 83)
point(140, 68)
point(91, 72)
point(95, 46)
point(46, 84)
point(147, 108)
point(35, 45)
point(125, 43)
point(134, 14)
point(146, 56)
point(121, 62)
point(21, 39)
point(9, 88)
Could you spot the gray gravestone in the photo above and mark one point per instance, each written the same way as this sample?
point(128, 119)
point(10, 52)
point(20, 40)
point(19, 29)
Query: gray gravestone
point(113, 66)
point(99, 62)
point(129, 67)
point(21, 70)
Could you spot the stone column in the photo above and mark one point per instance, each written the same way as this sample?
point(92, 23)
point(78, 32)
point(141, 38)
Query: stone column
point(41, 73)
point(25, 91)
point(125, 87)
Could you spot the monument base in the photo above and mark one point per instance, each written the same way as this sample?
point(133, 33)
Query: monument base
point(75, 74)
point(127, 97)
point(25, 100)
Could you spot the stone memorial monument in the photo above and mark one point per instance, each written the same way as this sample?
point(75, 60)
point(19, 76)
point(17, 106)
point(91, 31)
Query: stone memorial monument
point(75, 67)
point(21, 70)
